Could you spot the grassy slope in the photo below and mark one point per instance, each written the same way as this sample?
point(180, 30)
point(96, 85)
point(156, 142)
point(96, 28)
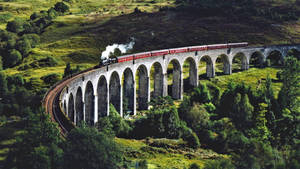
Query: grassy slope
point(170, 156)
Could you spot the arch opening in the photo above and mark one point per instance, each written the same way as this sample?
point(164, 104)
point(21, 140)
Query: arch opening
point(71, 108)
point(256, 59)
point(156, 80)
point(89, 102)
point(65, 107)
point(115, 91)
point(142, 83)
point(79, 106)
point(128, 92)
point(174, 79)
point(189, 74)
point(239, 62)
point(102, 97)
point(205, 68)
point(274, 59)
point(223, 66)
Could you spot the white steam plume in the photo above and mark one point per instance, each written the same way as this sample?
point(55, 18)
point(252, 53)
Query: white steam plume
point(123, 48)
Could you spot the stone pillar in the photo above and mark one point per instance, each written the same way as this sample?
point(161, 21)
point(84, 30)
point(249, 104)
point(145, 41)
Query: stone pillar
point(227, 69)
point(181, 86)
point(134, 98)
point(210, 70)
point(107, 100)
point(95, 108)
point(121, 100)
point(83, 108)
point(149, 91)
point(74, 118)
point(165, 85)
point(193, 76)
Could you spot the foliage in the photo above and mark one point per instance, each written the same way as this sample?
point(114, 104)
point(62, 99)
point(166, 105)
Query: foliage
point(69, 71)
point(219, 164)
point(201, 94)
point(194, 166)
point(14, 57)
point(61, 7)
point(51, 79)
point(290, 89)
point(99, 151)
point(16, 25)
point(23, 46)
point(190, 137)
point(38, 147)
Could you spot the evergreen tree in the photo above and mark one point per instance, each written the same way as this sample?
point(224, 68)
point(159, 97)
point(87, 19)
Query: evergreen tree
point(37, 147)
point(201, 94)
point(68, 70)
point(290, 90)
point(13, 58)
point(87, 148)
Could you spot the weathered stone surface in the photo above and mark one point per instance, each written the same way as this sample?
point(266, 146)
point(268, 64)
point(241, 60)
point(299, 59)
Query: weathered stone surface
point(103, 86)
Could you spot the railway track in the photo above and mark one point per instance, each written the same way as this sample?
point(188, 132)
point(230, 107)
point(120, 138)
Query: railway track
point(51, 103)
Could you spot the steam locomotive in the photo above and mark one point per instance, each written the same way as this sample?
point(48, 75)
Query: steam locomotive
point(131, 57)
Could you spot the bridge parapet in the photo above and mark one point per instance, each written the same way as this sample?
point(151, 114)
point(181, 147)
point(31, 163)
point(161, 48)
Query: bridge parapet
point(88, 96)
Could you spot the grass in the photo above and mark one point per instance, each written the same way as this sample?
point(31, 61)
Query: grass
point(174, 156)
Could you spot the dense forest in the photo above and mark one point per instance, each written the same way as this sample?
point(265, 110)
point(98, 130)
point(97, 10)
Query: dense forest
point(252, 124)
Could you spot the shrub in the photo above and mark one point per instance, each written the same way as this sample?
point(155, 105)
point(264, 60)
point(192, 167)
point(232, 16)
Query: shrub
point(24, 47)
point(33, 39)
point(51, 79)
point(98, 152)
point(190, 137)
point(15, 26)
point(171, 123)
point(61, 7)
point(219, 164)
point(120, 126)
point(194, 166)
point(201, 94)
point(14, 57)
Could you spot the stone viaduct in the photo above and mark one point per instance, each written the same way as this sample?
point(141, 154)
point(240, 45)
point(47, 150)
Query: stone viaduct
point(89, 96)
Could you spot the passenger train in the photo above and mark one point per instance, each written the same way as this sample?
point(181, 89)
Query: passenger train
point(131, 57)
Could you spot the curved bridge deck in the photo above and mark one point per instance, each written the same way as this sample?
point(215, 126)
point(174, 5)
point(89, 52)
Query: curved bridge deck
point(88, 94)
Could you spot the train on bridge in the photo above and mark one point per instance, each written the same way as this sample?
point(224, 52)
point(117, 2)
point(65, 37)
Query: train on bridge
point(132, 57)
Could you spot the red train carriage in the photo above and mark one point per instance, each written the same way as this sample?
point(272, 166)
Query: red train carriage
point(142, 55)
point(218, 46)
point(237, 45)
point(197, 48)
point(160, 52)
point(125, 58)
point(178, 50)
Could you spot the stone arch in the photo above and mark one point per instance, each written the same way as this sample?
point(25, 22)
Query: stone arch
point(157, 77)
point(239, 62)
point(210, 71)
point(226, 66)
point(256, 59)
point(174, 89)
point(274, 58)
point(294, 52)
point(192, 79)
point(79, 105)
point(142, 87)
point(102, 93)
point(71, 108)
point(89, 103)
point(115, 91)
point(128, 91)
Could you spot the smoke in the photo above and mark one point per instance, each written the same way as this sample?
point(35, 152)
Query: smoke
point(123, 48)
